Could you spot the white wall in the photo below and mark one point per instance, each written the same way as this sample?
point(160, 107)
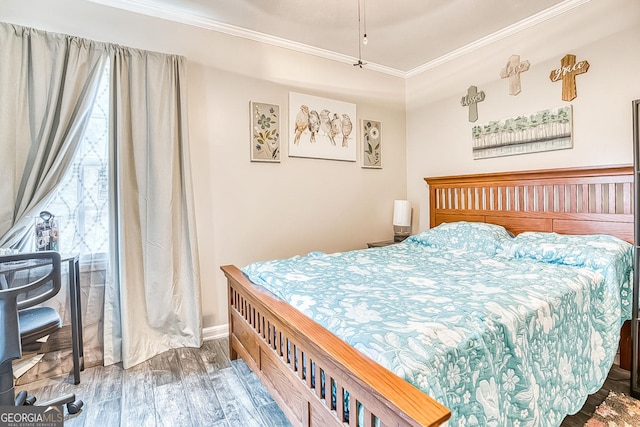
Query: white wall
point(252, 211)
point(256, 211)
point(603, 32)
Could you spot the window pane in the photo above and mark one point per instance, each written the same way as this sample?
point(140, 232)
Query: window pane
point(81, 203)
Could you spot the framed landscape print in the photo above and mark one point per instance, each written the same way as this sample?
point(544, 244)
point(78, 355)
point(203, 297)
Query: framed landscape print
point(321, 128)
point(265, 132)
point(545, 130)
point(371, 144)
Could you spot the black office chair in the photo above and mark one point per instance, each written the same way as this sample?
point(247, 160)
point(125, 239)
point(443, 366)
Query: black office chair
point(22, 324)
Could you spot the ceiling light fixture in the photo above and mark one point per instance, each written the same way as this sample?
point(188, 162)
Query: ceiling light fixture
point(361, 17)
point(364, 20)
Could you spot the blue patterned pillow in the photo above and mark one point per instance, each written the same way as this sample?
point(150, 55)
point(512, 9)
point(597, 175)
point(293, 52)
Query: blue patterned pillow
point(469, 236)
point(592, 251)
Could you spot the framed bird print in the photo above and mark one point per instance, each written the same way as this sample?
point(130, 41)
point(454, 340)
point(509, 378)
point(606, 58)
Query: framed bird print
point(322, 128)
point(371, 144)
point(265, 132)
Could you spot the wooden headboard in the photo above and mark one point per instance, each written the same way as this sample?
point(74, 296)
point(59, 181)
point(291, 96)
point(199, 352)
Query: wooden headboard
point(596, 200)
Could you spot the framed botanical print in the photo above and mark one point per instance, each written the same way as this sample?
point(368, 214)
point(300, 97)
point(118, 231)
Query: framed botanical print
point(371, 144)
point(265, 132)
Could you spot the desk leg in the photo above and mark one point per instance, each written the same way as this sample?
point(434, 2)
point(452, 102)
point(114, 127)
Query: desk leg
point(79, 306)
point(76, 317)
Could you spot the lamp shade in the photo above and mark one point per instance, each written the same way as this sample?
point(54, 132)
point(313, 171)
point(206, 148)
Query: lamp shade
point(402, 213)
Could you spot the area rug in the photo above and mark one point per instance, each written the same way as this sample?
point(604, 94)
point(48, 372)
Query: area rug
point(618, 410)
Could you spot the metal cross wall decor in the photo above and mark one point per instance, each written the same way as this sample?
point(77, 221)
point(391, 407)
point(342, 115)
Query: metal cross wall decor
point(512, 70)
point(567, 72)
point(471, 100)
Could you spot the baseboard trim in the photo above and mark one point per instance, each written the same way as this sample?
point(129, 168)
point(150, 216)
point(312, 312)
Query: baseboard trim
point(215, 332)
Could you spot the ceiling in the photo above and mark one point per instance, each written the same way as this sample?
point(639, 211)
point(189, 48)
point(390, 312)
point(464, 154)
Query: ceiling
point(405, 37)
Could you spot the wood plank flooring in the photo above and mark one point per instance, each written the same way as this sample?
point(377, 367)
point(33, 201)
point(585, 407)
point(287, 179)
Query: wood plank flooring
point(201, 387)
point(183, 387)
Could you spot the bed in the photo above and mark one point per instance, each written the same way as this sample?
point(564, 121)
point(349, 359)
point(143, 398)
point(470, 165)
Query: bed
point(302, 363)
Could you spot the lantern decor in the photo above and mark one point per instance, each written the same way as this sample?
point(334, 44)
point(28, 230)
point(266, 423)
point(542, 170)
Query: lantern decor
point(46, 232)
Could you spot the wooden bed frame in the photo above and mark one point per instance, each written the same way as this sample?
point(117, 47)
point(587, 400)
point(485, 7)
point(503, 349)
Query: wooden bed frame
point(273, 337)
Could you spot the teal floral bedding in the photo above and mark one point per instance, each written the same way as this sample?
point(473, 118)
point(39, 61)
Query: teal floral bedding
point(503, 331)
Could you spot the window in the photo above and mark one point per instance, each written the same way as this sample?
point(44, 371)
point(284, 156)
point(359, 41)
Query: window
point(81, 202)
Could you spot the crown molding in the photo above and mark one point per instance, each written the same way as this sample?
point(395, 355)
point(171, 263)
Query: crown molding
point(151, 8)
point(172, 14)
point(522, 25)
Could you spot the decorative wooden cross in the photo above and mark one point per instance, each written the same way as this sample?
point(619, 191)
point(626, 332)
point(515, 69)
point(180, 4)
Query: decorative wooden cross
point(471, 100)
point(512, 70)
point(567, 72)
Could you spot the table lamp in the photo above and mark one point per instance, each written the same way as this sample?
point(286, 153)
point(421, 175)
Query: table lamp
point(401, 220)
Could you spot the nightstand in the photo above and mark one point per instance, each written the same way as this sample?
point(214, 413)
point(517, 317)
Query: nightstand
point(396, 239)
point(380, 244)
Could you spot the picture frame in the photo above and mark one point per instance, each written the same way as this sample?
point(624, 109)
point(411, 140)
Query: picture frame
point(371, 132)
point(265, 132)
point(545, 130)
point(322, 128)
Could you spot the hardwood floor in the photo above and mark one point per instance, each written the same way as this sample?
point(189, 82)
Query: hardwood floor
point(184, 387)
point(201, 387)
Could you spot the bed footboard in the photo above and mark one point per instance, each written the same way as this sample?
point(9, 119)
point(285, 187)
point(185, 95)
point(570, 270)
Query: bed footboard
point(316, 378)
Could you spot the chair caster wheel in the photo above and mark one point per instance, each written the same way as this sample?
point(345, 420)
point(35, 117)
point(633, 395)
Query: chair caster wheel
point(30, 401)
point(20, 398)
point(74, 407)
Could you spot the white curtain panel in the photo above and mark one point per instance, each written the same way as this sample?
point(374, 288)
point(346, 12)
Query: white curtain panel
point(48, 85)
point(152, 302)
